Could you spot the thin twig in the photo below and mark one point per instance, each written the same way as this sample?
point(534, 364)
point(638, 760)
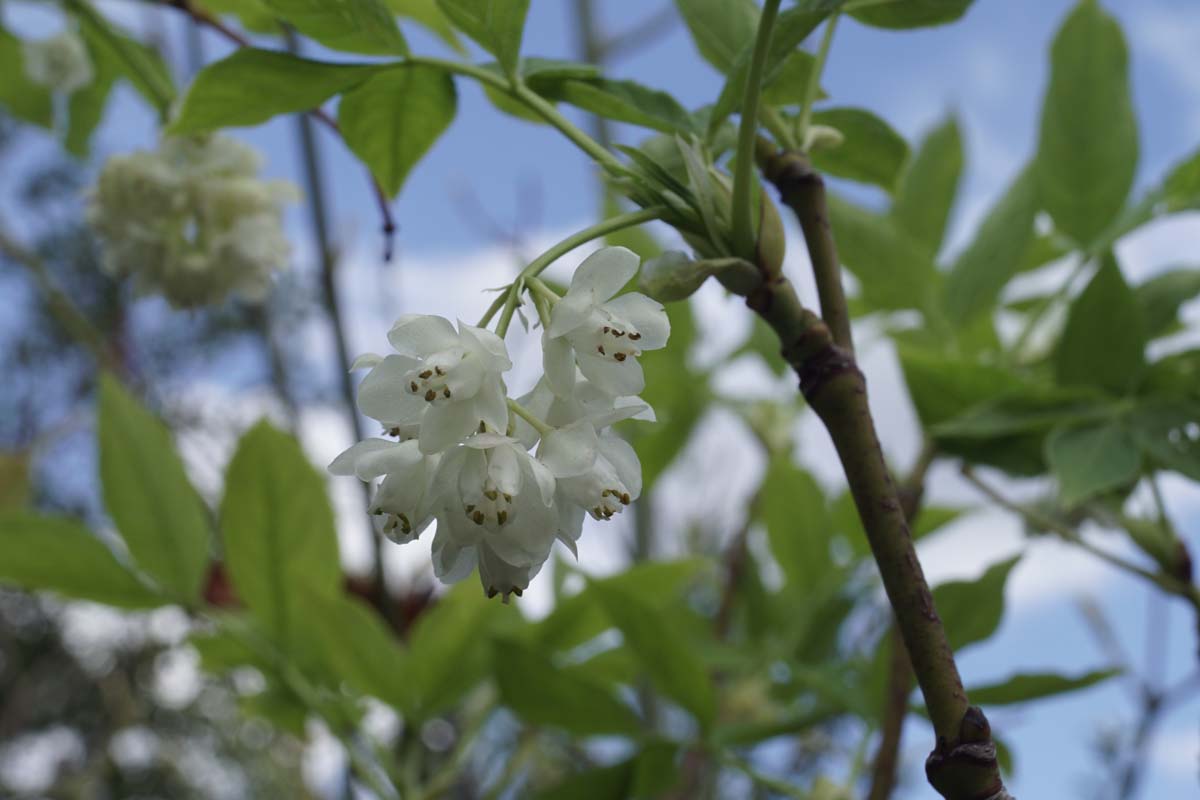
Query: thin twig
point(202, 16)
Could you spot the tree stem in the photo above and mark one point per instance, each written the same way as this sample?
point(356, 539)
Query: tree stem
point(963, 764)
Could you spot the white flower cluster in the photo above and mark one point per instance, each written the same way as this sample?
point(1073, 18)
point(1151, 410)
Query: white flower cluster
point(505, 479)
point(59, 63)
point(191, 220)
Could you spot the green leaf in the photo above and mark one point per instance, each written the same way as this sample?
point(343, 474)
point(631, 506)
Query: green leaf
point(624, 101)
point(971, 610)
point(140, 64)
point(784, 59)
point(1103, 343)
point(392, 119)
point(928, 187)
point(359, 26)
point(908, 13)
point(792, 506)
point(1023, 687)
point(995, 255)
point(872, 151)
point(943, 388)
point(1161, 297)
point(789, 84)
point(452, 649)
point(497, 25)
point(601, 783)
point(543, 694)
point(720, 28)
point(60, 555)
point(665, 653)
point(427, 14)
point(148, 496)
point(1167, 431)
point(278, 532)
point(20, 96)
point(357, 647)
point(86, 106)
point(1181, 187)
point(1091, 460)
point(576, 619)
point(1088, 149)
point(252, 86)
point(891, 268)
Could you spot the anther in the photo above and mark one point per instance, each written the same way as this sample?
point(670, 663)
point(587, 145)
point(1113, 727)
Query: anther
point(413, 387)
point(625, 498)
point(440, 372)
point(502, 517)
point(619, 356)
point(477, 517)
point(429, 395)
point(600, 348)
point(446, 391)
point(491, 494)
point(426, 374)
point(634, 337)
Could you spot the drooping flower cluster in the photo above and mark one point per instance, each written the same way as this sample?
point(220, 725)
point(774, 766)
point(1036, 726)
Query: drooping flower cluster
point(504, 479)
point(191, 220)
point(60, 63)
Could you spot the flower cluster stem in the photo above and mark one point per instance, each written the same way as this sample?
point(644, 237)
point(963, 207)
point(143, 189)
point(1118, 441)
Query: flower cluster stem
point(527, 415)
point(743, 175)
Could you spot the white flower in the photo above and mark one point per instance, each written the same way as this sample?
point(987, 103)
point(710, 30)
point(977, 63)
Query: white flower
point(599, 473)
point(191, 220)
point(403, 502)
point(443, 384)
point(496, 510)
point(60, 63)
point(603, 334)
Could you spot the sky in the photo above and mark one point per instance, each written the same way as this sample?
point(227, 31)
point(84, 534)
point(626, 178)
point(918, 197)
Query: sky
point(492, 171)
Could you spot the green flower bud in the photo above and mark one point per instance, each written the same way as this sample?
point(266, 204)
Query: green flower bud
point(771, 245)
point(674, 276)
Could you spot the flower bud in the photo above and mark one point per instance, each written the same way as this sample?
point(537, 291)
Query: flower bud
point(673, 276)
point(771, 245)
point(59, 63)
point(822, 137)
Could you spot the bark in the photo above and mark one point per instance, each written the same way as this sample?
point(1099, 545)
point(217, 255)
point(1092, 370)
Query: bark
point(963, 763)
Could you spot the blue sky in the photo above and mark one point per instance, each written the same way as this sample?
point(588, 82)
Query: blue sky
point(990, 70)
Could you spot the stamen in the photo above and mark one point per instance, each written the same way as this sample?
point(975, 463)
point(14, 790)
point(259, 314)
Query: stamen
point(426, 374)
point(429, 395)
point(619, 356)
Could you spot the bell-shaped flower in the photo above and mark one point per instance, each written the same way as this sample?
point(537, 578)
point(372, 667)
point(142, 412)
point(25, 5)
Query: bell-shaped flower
point(600, 473)
point(60, 63)
point(585, 402)
point(604, 334)
point(449, 382)
point(402, 505)
point(496, 500)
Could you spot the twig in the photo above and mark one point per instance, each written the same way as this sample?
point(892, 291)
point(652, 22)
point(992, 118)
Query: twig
point(963, 765)
point(310, 151)
point(202, 16)
point(78, 326)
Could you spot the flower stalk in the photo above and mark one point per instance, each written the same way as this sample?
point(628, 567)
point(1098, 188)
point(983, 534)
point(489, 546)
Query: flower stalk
point(743, 214)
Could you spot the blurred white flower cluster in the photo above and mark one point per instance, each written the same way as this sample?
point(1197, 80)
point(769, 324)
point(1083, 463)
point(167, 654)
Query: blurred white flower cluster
point(505, 479)
point(59, 63)
point(192, 220)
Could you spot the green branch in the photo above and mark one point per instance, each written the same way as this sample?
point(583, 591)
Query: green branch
point(814, 80)
point(743, 214)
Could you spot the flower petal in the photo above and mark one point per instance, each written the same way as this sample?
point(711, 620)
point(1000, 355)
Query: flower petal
point(488, 344)
point(491, 404)
point(569, 313)
point(365, 361)
point(647, 315)
point(558, 361)
point(569, 451)
point(347, 462)
point(504, 468)
point(446, 425)
point(605, 272)
point(615, 377)
point(451, 561)
point(621, 455)
point(382, 394)
point(421, 335)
